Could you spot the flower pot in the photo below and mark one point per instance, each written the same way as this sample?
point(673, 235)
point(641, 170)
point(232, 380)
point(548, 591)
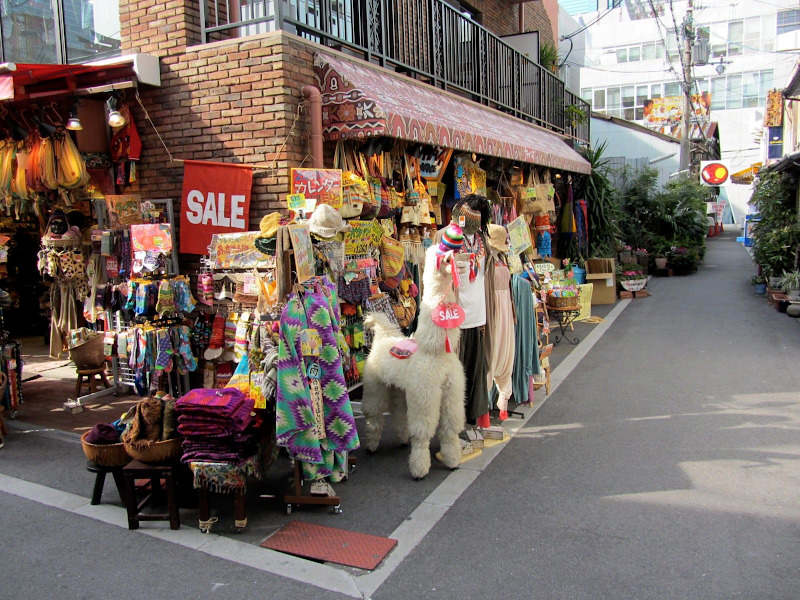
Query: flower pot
point(633, 285)
point(661, 262)
point(761, 288)
point(773, 282)
point(794, 295)
point(626, 257)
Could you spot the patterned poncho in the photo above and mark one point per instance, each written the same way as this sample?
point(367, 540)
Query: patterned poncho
point(294, 411)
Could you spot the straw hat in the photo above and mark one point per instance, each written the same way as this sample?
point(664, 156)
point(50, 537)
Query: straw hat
point(326, 222)
point(498, 238)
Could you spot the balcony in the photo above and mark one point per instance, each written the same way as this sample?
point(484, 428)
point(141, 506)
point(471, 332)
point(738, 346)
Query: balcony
point(425, 39)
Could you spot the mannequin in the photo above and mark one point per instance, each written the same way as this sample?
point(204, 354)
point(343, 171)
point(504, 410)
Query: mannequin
point(476, 296)
point(503, 350)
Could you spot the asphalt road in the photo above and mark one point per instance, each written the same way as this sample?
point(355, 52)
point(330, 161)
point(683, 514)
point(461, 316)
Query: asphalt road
point(665, 466)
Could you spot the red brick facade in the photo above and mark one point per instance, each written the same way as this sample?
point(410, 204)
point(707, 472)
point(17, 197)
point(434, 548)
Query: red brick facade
point(235, 100)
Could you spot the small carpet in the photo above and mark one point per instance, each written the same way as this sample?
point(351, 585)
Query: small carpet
point(330, 545)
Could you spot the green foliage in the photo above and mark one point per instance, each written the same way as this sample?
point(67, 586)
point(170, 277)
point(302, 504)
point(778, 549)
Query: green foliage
point(776, 236)
point(757, 280)
point(602, 204)
point(789, 281)
point(574, 114)
point(548, 56)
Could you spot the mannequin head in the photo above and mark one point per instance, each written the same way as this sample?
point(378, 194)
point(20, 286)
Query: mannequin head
point(475, 211)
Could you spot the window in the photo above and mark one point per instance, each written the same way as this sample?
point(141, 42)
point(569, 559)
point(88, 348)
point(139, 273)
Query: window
point(648, 51)
point(750, 83)
point(655, 90)
point(622, 55)
point(614, 102)
point(586, 94)
point(718, 93)
point(673, 88)
point(788, 20)
point(641, 95)
point(735, 37)
point(634, 54)
point(32, 33)
point(599, 99)
point(734, 91)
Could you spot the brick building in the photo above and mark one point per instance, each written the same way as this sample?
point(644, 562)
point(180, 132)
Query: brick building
point(237, 99)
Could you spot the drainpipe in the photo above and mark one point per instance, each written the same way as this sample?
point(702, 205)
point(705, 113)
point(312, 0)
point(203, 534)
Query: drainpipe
point(521, 9)
point(314, 98)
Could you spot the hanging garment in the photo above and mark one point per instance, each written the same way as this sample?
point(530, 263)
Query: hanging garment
point(526, 336)
point(473, 357)
point(321, 455)
point(502, 364)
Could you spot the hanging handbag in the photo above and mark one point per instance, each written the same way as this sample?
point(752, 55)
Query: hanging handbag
point(354, 188)
point(545, 191)
point(392, 256)
point(531, 202)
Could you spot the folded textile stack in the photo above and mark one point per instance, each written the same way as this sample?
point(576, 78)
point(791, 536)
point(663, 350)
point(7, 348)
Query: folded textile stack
point(217, 425)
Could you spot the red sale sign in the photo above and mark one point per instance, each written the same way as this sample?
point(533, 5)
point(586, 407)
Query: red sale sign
point(216, 199)
point(448, 315)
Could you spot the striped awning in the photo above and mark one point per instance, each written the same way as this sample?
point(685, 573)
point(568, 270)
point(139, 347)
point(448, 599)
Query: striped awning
point(361, 100)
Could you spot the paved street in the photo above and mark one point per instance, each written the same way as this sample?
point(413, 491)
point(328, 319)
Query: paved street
point(666, 465)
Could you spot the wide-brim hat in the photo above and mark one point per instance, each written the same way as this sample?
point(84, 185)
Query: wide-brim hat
point(326, 222)
point(498, 238)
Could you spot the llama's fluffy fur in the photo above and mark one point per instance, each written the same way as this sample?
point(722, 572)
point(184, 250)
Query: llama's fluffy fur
point(424, 391)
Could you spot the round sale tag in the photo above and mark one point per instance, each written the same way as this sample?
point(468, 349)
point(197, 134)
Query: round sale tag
point(448, 316)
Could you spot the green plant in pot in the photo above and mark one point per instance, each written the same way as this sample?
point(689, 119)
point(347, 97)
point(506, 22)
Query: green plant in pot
point(760, 284)
point(790, 283)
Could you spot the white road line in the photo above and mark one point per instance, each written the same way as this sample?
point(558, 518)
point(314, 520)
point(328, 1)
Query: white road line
point(408, 534)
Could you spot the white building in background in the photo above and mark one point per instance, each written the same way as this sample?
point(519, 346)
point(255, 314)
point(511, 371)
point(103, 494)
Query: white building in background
point(632, 56)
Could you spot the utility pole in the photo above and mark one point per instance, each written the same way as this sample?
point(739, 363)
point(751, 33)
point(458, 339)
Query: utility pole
point(686, 63)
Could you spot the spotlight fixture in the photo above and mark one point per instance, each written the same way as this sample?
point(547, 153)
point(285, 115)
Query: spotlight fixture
point(74, 123)
point(18, 132)
point(45, 129)
point(115, 118)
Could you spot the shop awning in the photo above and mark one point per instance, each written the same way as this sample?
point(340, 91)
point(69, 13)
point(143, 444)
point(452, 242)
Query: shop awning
point(746, 176)
point(34, 81)
point(360, 100)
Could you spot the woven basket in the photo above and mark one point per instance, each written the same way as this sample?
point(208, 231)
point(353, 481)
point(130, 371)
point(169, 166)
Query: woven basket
point(90, 354)
point(158, 452)
point(105, 455)
point(563, 302)
point(633, 285)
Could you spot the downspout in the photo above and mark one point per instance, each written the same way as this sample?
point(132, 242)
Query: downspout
point(314, 98)
point(521, 9)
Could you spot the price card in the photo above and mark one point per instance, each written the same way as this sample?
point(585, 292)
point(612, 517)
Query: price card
point(296, 201)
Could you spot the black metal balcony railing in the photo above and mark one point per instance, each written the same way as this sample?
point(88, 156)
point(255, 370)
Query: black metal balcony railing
point(427, 39)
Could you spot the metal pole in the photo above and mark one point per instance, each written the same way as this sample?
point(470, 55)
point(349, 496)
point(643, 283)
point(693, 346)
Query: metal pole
point(688, 37)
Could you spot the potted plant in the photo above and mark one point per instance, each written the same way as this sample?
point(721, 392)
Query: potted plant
point(626, 254)
point(790, 283)
point(684, 260)
point(642, 257)
point(760, 283)
point(631, 277)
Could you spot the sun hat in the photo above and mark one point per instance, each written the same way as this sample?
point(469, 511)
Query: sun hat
point(498, 238)
point(326, 222)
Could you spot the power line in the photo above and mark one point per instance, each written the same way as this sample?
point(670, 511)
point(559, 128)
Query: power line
point(589, 24)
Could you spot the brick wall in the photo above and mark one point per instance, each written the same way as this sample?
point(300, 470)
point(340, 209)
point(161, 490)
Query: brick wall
point(233, 101)
point(502, 18)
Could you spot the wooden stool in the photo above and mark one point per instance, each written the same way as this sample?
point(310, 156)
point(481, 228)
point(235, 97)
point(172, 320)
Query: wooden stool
point(155, 473)
point(100, 480)
point(91, 379)
point(239, 510)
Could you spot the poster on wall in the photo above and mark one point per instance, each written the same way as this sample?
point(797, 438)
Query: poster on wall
point(123, 210)
point(216, 199)
point(668, 112)
point(303, 251)
point(237, 251)
point(362, 236)
point(322, 185)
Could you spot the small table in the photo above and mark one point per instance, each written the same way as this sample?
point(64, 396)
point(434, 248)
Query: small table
point(564, 317)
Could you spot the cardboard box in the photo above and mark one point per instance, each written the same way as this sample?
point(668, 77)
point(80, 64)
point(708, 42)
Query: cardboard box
point(601, 272)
